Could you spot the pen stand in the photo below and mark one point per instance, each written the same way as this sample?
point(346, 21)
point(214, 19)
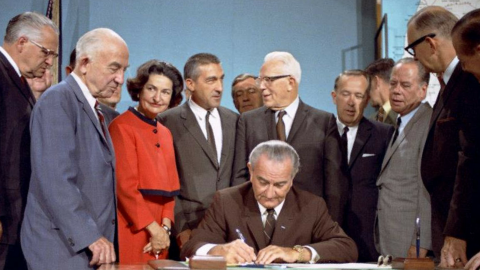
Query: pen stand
point(207, 262)
point(413, 263)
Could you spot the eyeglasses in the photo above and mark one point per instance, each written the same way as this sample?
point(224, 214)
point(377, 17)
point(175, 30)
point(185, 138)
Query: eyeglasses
point(46, 51)
point(411, 47)
point(269, 79)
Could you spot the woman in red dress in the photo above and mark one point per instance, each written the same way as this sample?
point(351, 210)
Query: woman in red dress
point(147, 178)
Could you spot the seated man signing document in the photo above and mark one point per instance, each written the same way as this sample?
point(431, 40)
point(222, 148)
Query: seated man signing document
point(267, 220)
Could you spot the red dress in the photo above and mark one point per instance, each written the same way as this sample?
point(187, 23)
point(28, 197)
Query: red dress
point(147, 181)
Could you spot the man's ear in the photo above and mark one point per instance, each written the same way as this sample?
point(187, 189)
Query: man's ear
point(190, 84)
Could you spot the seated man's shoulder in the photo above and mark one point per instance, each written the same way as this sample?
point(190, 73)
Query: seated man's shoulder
point(307, 199)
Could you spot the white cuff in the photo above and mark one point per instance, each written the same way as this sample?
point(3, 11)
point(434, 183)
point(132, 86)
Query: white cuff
point(315, 257)
point(203, 250)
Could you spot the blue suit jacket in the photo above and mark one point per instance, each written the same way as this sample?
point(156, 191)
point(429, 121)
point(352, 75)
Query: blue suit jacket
point(71, 200)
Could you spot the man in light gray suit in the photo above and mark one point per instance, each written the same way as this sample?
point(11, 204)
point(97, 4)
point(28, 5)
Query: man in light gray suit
point(70, 214)
point(402, 196)
point(204, 139)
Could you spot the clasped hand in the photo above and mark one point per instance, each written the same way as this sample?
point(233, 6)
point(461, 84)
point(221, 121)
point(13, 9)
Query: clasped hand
point(159, 239)
point(237, 252)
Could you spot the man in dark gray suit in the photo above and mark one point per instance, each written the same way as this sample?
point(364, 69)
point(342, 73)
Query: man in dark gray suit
point(203, 136)
point(364, 143)
point(311, 132)
point(70, 215)
point(29, 49)
point(402, 196)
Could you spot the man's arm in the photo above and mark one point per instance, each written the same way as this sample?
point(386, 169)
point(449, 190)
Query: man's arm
point(240, 171)
point(335, 173)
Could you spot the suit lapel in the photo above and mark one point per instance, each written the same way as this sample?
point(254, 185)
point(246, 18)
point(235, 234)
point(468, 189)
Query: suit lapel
point(191, 124)
point(363, 134)
point(285, 219)
point(24, 88)
point(300, 116)
point(227, 125)
point(269, 120)
point(253, 219)
point(447, 92)
point(89, 111)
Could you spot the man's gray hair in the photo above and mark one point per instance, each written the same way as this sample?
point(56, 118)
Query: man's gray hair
point(434, 19)
point(291, 65)
point(276, 151)
point(423, 75)
point(29, 24)
point(93, 41)
point(240, 78)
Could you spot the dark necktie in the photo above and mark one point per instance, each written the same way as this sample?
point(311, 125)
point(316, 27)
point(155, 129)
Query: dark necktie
point(24, 81)
point(269, 226)
point(345, 141)
point(381, 115)
point(101, 118)
point(211, 137)
point(442, 83)
point(395, 135)
point(281, 135)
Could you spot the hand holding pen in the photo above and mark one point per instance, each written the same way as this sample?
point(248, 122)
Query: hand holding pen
point(235, 252)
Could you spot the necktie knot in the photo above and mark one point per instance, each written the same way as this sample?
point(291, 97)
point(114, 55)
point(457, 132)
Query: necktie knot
point(381, 115)
point(101, 118)
point(397, 129)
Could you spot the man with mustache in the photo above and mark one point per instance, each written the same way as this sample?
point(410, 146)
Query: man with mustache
point(29, 49)
point(266, 219)
point(401, 195)
point(203, 137)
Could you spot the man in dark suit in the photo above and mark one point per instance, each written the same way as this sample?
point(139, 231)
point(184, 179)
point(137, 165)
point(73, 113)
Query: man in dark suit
point(28, 50)
point(451, 157)
point(364, 145)
point(311, 132)
point(203, 136)
point(70, 214)
point(266, 219)
point(379, 72)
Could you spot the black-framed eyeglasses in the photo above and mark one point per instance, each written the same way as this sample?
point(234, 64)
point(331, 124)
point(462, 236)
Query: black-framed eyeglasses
point(411, 47)
point(269, 79)
point(46, 51)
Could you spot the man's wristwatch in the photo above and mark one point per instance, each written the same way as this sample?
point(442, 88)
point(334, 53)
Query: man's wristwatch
point(301, 251)
point(169, 231)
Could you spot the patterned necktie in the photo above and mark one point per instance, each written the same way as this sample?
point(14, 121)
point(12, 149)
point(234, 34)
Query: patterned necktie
point(344, 141)
point(395, 135)
point(211, 137)
point(442, 83)
point(101, 118)
point(381, 115)
point(281, 135)
point(269, 226)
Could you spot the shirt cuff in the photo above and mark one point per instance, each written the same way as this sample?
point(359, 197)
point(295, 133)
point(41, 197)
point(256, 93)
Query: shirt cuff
point(315, 257)
point(203, 250)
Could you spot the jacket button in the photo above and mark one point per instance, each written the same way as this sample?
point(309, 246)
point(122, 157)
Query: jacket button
point(155, 131)
point(157, 145)
point(380, 187)
point(113, 221)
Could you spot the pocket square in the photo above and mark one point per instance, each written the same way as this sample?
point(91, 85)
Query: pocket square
point(368, 155)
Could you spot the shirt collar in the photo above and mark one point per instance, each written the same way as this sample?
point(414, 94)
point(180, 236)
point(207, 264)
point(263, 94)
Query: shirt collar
point(278, 208)
point(449, 71)
point(292, 108)
point(341, 126)
point(90, 99)
point(201, 112)
point(10, 60)
point(387, 107)
point(407, 117)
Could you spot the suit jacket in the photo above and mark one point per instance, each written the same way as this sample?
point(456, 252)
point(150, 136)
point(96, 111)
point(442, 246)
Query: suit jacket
point(108, 113)
point(366, 158)
point(402, 196)
point(450, 163)
point(198, 169)
point(314, 136)
point(304, 220)
point(16, 104)
point(390, 118)
point(71, 200)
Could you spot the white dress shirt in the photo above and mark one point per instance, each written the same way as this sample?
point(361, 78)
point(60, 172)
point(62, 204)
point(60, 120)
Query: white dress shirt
point(351, 135)
point(214, 120)
point(90, 99)
point(449, 71)
point(290, 112)
point(406, 118)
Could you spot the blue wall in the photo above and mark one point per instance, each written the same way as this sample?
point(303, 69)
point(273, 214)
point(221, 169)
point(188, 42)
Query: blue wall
point(325, 36)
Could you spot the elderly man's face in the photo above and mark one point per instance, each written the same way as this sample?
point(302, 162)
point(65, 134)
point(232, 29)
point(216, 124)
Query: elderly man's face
point(351, 99)
point(41, 84)
point(207, 89)
point(276, 94)
point(114, 99)
point(34, 60)
point(470, 62)
point(271, 180)
point(406, 92)
point(247, 95)
point(105, 70)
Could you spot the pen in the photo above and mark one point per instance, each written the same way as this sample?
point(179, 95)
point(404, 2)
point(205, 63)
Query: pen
point(240, 235)
point(417, 225)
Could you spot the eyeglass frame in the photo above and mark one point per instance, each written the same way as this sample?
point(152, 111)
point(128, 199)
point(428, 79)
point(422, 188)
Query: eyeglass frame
point(46, 51)
point(412, 45)
point(269, 79)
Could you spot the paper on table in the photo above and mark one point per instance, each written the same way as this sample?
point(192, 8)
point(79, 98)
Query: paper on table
point(335, 266)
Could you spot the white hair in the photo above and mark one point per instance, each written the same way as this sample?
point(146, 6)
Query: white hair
point(93, 41)
point(291, 65)
point(29, 24)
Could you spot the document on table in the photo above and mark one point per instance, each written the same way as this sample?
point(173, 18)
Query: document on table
point(313, 266)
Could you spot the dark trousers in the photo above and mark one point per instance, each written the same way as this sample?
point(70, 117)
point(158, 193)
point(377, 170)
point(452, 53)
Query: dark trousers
point(11, 257)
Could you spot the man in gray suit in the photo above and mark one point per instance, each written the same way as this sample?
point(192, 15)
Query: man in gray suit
point(402, 196)
point(203, 136)
point(70, 215)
